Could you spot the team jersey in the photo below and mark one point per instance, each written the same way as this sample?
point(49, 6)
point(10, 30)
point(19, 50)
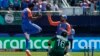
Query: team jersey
point(60, 44)
point(61, 27)
point(25, 19)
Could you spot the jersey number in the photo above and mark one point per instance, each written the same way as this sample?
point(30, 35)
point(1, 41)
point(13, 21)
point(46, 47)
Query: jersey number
point(61, 43)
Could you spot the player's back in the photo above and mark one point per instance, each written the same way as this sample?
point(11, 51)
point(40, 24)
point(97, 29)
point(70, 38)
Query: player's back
point(60, 44)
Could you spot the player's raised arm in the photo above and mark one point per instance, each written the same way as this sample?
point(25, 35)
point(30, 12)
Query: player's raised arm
point(51, 21)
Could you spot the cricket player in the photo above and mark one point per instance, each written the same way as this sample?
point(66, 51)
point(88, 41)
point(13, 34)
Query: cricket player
point(62, 25)
point(28, 27)
point(60, 45)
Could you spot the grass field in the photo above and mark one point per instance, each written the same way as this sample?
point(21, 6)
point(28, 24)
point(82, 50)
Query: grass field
point(42, 54)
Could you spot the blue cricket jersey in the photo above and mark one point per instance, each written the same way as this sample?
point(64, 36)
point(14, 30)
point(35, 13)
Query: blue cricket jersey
point(25, 19)
point(27, 25)
point(61, 27)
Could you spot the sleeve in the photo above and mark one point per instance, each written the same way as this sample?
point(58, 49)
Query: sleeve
point(52, 22)
point(68, 29)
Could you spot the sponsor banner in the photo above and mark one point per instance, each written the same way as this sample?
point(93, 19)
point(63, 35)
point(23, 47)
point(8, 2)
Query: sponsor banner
point(19, 43)
point(92, 42)
point(41, 43)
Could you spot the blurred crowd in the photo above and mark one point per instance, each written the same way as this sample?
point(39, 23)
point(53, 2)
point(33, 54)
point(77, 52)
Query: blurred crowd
point(42, 5)
point(92, 4)
point(45, 4)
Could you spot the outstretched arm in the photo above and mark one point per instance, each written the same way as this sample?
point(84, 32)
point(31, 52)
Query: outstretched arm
point(52, 22)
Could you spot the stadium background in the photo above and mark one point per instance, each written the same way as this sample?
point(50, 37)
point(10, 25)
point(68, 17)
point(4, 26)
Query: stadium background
point(86, 25)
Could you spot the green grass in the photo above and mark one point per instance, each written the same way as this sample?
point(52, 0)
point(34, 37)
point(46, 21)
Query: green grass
point(42, 54)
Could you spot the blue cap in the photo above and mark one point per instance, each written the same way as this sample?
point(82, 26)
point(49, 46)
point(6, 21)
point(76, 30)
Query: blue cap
point(64, 16)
